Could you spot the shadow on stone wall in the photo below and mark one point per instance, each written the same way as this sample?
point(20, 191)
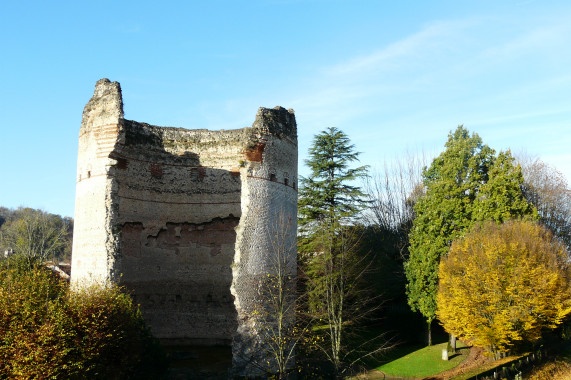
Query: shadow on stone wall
point(176, 220)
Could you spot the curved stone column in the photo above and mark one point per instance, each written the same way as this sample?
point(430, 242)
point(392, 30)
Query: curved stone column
point(266, 237)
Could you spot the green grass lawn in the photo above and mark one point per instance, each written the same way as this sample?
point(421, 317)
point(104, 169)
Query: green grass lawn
point(426, 361)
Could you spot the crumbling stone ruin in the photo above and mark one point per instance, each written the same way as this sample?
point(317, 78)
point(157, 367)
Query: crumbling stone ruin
point(184, 219)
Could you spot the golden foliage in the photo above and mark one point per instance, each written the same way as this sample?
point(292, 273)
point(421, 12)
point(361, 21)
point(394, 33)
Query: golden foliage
point(47, 332)
point(502, 284)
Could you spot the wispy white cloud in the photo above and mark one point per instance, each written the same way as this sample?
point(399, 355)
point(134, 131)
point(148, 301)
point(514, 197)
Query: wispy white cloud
point(480, 71)
point(539, 39)
point(433, 36)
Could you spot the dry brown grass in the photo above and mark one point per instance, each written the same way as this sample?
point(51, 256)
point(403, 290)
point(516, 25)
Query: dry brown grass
point(556, 370)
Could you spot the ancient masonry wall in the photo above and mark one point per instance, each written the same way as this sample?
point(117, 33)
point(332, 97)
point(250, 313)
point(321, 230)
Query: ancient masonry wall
point(182, 217)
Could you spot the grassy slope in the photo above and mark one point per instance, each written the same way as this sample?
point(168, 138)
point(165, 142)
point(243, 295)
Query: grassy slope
point(486, 367)
point(424, 362)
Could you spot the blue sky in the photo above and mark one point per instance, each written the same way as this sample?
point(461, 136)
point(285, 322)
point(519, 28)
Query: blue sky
point(395, 76)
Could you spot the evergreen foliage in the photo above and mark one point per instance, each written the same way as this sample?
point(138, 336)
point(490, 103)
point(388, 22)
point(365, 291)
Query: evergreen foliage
point(503, 284)
point(328, 204)
point(501, 198)
point(466, 183)
point(327, 198)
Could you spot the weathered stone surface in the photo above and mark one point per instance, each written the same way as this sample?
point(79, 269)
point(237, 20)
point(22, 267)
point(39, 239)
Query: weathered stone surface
point(182, 218)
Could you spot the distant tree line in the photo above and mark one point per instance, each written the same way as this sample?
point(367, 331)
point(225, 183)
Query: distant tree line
point(35, 234)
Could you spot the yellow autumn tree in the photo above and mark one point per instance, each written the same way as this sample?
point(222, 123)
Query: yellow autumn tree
point(502, 284)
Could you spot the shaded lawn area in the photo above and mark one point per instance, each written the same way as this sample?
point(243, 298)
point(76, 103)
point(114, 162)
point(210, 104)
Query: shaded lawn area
point(563, 354)
point(487, 367)
point(565, 351)
point(424, 362)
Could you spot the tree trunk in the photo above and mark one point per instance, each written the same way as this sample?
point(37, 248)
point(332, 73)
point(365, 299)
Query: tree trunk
point(453, 343)
point(429, 322)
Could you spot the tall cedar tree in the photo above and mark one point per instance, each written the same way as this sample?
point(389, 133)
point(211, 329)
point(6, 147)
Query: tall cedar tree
point(466, 183)
point(328, 203)
point(327, 196)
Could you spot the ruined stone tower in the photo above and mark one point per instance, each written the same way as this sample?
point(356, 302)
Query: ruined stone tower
point(185, 219)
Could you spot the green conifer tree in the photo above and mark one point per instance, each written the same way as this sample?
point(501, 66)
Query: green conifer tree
point(465, 184)
point(329, 202)
point(501, 198)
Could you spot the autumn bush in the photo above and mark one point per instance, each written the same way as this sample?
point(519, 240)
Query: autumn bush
point(503, 284)
point(46, 331)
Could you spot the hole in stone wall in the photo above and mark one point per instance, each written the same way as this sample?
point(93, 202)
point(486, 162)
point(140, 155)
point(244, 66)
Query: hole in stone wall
point(286, 181)
point(157, 170)
point(198, 173)
point(121, 163)
point(273, 177)
point(256, 153)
